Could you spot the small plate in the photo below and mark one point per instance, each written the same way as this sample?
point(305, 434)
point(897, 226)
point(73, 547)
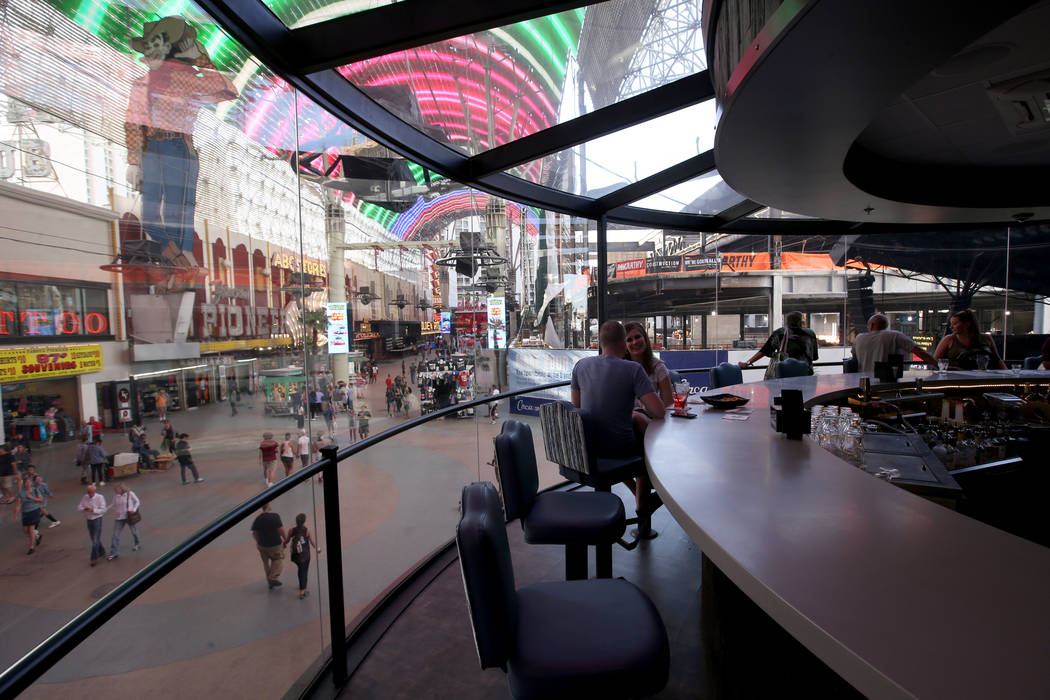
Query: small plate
point(724, 400)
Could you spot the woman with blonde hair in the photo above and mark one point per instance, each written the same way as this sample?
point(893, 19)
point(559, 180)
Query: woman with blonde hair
point(640, 350)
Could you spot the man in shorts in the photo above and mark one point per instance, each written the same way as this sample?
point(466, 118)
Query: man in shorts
point(268, 449)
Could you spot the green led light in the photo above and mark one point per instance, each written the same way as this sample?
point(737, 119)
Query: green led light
point(541, 41)
point(562, 32)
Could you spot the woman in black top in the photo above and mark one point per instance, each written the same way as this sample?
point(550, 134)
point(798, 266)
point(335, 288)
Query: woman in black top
point(302, 542)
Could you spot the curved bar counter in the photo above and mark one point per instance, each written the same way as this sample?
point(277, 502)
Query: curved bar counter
point(898, 595)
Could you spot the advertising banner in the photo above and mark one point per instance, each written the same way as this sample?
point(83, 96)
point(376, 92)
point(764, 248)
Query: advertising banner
point(497, 324)
point(446, 322)
point(630, 268)
point(47, 362)
point(702, 262)
point(338, 329)
point(531, 366)
point(661, 264)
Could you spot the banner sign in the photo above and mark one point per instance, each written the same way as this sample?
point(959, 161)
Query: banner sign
point(531, 366)
point(630, 268)
point(338, 329)
point(497, 324)
point(21, 364)
point(703, 262)
point(663, 264)
point(446, 322)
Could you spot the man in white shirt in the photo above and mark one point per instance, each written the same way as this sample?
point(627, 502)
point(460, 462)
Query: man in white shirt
point(124, 502)
point(304, 449)
point(93, 506)
point(879, 343)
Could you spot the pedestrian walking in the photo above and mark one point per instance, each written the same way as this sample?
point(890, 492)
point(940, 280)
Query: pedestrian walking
point(362, 421)
point(81, 459)
point(93, 506)
point(183, 454)
point(167, 442)
point(268, 531)
point(301, 543)
point(329, 417)
point(493, 405)
point(304, 449)
point(320, 441)
point(28, 506)
point(45, 493)
point(268, 450)
point(235, 398)
point(288, 454)
point(125, 512)
point(351, 417)
point(97, 460)
point(162, 405)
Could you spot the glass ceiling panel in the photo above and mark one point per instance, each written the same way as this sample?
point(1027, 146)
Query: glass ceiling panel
point(606, 164)
point(770, 213)
point(300, 13)
point(482, 90)
point(707, 194)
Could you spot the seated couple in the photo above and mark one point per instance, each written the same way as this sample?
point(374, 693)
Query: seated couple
point(621, 399)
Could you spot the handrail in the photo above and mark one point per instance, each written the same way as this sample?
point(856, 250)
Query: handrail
point(45, 655)
point(41, 658)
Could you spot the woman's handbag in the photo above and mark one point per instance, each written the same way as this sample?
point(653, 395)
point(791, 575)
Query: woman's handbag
point(134, 515)
point(778, 355)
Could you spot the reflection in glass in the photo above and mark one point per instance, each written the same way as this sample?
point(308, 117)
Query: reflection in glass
point(296, 13)
point(485, 89)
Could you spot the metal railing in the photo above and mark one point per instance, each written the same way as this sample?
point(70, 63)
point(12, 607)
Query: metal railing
point(45, 655)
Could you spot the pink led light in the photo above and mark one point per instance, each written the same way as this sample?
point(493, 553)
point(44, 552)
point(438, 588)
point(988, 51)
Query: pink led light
point(526, 121)
point(398, 60)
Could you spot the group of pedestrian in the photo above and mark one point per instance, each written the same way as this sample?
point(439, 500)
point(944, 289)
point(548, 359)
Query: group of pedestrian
point(126, 508)
point(271, 540)
point(397, 395)
point(30, 503)
point(307, 450)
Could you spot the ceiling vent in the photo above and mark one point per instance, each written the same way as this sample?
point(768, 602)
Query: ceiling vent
point(1024, 102)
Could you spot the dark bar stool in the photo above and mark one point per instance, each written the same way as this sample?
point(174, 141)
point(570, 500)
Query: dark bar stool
point(726, 374)
point(791, 368)
point(601, 638)
point(575, 520)
point(566, 443)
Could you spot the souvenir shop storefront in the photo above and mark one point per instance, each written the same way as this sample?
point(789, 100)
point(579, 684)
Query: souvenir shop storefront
point(40, 388)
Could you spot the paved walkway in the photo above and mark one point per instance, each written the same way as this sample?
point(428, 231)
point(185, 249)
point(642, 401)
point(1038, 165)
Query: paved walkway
point(205, 628)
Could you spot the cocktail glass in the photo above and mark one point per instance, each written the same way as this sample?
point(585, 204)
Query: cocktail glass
point(681, 396)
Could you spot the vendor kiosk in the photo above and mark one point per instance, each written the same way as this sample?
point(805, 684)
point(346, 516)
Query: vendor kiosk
point(282, 387)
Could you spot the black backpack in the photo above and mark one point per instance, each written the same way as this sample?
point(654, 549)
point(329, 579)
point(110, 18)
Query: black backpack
point(299, 547)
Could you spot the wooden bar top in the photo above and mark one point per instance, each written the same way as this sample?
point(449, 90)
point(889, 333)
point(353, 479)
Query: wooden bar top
point(900, 596)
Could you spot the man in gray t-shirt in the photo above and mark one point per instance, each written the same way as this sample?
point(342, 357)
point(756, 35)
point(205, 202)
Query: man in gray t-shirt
point(606, 387)
point(880, 342)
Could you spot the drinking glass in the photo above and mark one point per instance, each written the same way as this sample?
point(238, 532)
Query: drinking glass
point(1016, 369)
point(942, 365)
point(982, 362)
point(681, 395)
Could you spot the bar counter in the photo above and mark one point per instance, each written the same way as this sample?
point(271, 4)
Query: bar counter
point(899, 596)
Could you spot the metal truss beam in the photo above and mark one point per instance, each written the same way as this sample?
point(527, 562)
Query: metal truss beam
point(687, 169)
point(403, 25)
point(655, 103)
